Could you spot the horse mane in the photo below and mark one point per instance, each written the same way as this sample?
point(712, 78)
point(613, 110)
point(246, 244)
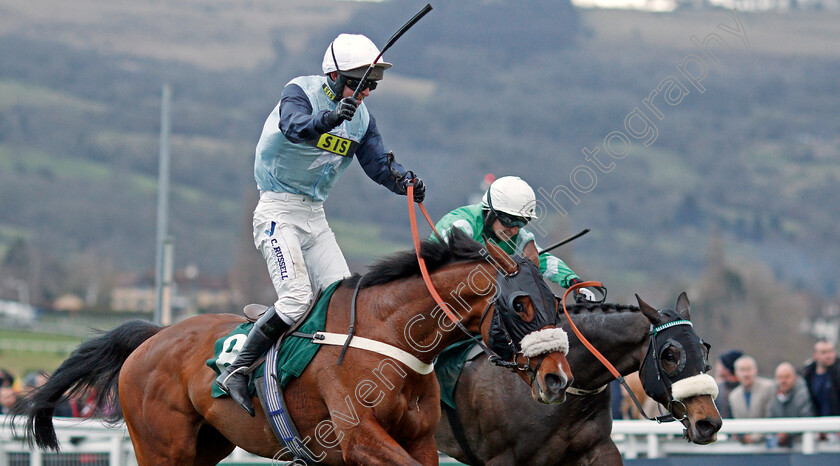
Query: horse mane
point(604, 308)
point(458, 248)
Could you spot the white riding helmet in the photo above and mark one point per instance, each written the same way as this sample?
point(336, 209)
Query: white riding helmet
point(352, 52)
point(511, 195)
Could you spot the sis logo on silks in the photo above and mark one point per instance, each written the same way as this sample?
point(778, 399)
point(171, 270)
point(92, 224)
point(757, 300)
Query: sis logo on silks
point(280, 251)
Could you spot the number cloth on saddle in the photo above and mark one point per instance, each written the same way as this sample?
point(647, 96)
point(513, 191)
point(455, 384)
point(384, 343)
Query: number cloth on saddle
point(294, 354)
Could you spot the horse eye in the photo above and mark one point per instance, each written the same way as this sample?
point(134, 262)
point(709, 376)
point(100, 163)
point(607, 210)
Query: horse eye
point(518, 307)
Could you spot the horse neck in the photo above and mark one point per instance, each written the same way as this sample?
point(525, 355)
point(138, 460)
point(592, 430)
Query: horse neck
point(621, 337)
point(413, 319)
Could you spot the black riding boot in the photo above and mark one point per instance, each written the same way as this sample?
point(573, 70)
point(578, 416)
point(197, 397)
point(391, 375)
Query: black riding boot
point(265, 333)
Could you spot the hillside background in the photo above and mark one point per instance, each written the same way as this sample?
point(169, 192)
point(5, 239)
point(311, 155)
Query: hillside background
point(736, 199)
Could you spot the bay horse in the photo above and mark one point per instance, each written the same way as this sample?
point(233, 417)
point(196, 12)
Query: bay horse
point(497, 424)
point(360, 412)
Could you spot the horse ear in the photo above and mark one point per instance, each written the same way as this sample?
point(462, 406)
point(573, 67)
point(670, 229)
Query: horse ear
point(682, 306)
point(501, 259)
point(652, 314)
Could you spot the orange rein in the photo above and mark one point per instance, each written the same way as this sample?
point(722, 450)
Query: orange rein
point(580, 336)
point(607, 364)
point(412, 215)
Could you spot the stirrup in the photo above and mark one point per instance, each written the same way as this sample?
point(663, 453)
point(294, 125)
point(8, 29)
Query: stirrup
point(241, 396)
point(223, 384)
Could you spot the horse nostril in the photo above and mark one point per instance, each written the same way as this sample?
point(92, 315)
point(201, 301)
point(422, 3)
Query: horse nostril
point(554, 383)
point(707, 427)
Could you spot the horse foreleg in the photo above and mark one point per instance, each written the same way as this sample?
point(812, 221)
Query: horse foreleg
point(369, 444)
point(604, 453)
point(211, 446)
point(424, 450)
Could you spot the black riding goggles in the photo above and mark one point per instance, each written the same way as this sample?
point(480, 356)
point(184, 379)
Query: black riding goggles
point(511, 221)
point(353, 83)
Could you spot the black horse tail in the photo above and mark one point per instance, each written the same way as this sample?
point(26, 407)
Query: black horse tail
point(93, 367)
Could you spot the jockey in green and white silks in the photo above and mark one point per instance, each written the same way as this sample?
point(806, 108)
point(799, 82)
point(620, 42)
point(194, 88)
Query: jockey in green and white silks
point(506, 207)
point(308, 140)
point(470, 219)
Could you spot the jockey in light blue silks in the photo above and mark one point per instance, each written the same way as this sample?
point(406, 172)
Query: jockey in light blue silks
point(308, 140)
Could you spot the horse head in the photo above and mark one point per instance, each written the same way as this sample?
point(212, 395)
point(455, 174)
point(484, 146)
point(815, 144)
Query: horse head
point(522, 330)
point(674, 371)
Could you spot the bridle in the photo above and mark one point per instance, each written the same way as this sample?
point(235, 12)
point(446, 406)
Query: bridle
point(661, 382)
point(493, 356)
point(655, 382)
point(513, 365)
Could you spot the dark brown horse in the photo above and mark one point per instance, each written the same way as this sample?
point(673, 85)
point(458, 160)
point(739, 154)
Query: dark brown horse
point(361, 412)
point(500, 425)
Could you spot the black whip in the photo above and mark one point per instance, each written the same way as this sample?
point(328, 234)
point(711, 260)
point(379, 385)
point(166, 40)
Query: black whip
point(388, 45)
point(572, 238)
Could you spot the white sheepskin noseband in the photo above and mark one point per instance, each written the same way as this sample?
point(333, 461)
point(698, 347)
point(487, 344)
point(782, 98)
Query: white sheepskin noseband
point(700, 384)
point(547, 340)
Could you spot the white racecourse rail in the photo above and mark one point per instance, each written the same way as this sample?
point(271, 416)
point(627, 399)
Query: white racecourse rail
point(634, 438)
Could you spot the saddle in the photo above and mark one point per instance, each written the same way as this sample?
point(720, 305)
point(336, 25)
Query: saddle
point(449, 365)
point(296, 360)
point(253, 312)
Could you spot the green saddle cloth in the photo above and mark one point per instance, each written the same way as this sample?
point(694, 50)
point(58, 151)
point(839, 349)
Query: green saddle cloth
point(294, 354)
point(448, 368)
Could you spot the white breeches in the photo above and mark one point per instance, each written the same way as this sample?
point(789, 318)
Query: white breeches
point(292, 233)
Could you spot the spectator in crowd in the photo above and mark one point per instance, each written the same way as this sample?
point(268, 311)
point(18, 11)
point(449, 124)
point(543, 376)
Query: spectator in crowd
point(8, 397)
point(791, 400)
point(83, 405)
point(725, 377)
point(6, 378)
point(751, 399)
point(822, 375)
point(33, 380)
point(64, 408)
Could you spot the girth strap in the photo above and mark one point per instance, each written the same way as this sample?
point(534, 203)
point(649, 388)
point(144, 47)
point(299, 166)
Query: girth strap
point(352, 330)
point(340, 339)
point(460, 436)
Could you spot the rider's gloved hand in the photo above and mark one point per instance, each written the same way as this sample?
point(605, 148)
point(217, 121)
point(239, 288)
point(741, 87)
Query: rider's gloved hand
point(419, 188)
point(583, 295)
point(586, 294)
point(345, 110)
